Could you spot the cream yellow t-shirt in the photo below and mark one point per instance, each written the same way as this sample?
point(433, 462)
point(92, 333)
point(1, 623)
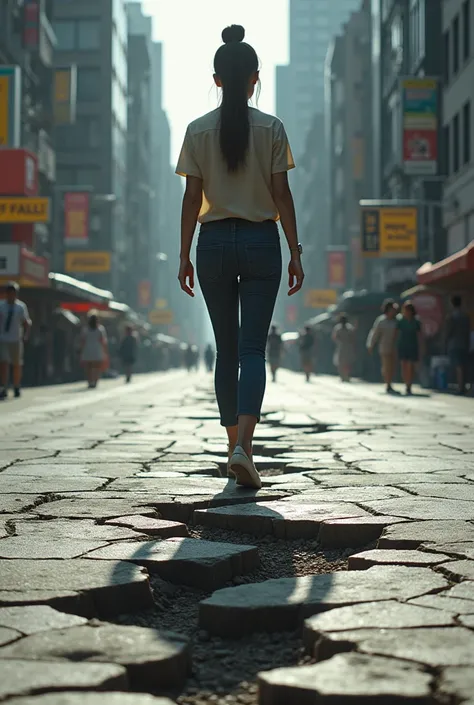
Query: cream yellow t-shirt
point(246, 193)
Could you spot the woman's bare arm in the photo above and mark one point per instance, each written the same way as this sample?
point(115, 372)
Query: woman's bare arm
point(192, 202)
point(283, 200)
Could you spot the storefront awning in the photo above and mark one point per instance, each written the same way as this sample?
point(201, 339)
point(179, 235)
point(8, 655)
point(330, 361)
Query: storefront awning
point(455, 273)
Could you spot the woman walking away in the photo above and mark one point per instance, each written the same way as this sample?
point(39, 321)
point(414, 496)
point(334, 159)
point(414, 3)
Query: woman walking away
point(235, 160)
point(409, 343)
point(343, 337)
point(93, 350)
point(128, 352)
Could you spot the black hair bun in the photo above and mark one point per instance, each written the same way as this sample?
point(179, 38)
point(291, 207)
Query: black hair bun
point(234, 33)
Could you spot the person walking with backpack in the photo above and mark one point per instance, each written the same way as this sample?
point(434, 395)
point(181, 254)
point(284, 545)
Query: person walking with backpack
point(235, 160)
point(15, 326)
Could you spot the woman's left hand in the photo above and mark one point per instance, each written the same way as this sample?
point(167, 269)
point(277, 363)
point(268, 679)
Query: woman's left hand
point(186, 277)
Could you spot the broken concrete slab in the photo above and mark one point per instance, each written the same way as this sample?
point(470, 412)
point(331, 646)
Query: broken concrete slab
point(8, 635)
point(359, 479)
point(457, 682)
point(380, 556)
point(154, 659)
point(463, 591)
point(83, 529)
point(354, 532)
point(31, 619)
point(442, 490)
point(28, 677)
point(283, 603)
point(100, 588)
point(381, 615)
point(412, 507)
point(442, 601)
point(198, 563)
point(150, 526)
point(348, 678)
point(10, 484)
point(12, 503)
point(413, 534)
point(86, 698)
point(281, 519)
point(28, 547)
point(99, 508)
point(458, 570)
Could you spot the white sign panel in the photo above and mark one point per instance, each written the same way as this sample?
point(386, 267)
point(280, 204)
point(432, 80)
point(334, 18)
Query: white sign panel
point(9, 260)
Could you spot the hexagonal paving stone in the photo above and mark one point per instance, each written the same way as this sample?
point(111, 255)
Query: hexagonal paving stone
point(281, 519)
point(28, 677)
point(433, 646)
point(443, 601)
point(82, 586)
point(413, 534)
point(84, 698)
point(10, 484)
point(281, 604)
point(84, 529)
point(353, 532)
point(346, 680)
point(154, 659)
point(37, 618)
point(383, 615)
point(150, 526)
point(199, 563)
point(377, 556)
point(422, 507)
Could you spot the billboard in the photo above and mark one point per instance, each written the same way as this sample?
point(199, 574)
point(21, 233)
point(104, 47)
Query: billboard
point(144, 293)
point(160, 317)
point(10, 105)
point(87, 262)
point(389, 231)
point(24, 210)
point(65, 88)
point(336, 269)
point(76, 218)
point(419, 103)
point(320, 298)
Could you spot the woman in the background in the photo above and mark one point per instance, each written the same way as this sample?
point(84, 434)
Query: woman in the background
point(128, 352)
point(343, 337)
point(94, 352)
point(409, 343)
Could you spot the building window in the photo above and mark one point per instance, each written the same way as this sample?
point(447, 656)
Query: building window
point(88, 35)
point(446, 62)
point(456, 144)
point(455, 45)
point(466, 29)
point(466, 132)
point(88, 84)
point(447, 150)
point(65, 35)
point(88, 177)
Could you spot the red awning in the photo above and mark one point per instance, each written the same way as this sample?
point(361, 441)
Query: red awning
point(455, 272)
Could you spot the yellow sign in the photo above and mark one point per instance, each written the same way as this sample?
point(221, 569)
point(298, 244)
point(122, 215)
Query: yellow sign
point(24, 210)
point(64, 94)
point(161, 303)
point(390, 232)
point(4, 100)
point(88, 262)
point(160, 317)
point(320, 298)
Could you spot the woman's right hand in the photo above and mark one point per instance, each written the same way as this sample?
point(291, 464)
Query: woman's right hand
point(295, 275)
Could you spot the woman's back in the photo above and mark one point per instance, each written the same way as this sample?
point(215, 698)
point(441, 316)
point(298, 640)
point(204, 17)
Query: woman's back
point(246, 193)
point(93, 343)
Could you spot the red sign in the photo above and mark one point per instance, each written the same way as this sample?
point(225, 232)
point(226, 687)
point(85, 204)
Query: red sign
point(76, 218)
point(34, 270)
point(337, 269)
point(144, 294)
point(291, 313)
point(420, 146)
point(83, 307)
point(18, 172)
point(429, 308)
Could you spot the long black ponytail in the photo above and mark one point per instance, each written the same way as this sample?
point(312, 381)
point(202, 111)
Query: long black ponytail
point(234, 64)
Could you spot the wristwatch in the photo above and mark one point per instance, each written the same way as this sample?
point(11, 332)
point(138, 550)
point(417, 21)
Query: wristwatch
point(297, 249)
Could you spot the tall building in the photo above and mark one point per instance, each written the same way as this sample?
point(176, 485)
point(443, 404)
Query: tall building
point(92, 153)
point(313, 24)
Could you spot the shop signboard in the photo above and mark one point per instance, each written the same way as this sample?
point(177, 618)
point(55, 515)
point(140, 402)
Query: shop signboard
point(24, 210)
point(419, 104)
point(160, 317)
point(9, 260)
point(337, 268)
point(65, 94)
point(87, 262)
point(20, 265)
point(76, 218)
point(10, 106)
point(389, 231)
point(320, 298)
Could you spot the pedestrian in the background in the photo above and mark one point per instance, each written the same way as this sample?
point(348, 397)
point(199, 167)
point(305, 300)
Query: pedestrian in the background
point(458, 335)
point(384, 335)
point(189, 358)
point(15, 326)
point(306, 346)
point(209, 357)
point(343, 336)
point(235, 160)
point(274, 349)
point(409, 339)
point(128, 352)
point(94, 350)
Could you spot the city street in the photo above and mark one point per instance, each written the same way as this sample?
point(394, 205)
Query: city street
point(133, 571)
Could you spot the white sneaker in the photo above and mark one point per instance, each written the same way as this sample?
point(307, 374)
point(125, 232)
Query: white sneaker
point(244, 469)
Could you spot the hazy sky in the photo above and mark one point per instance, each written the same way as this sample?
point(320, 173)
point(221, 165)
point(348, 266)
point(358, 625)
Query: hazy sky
point(191, 33)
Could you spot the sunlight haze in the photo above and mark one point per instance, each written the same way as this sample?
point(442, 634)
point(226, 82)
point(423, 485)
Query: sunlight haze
point(191, 33)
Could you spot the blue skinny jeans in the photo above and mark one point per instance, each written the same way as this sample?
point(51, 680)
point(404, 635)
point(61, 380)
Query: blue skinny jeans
point(239, 266)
